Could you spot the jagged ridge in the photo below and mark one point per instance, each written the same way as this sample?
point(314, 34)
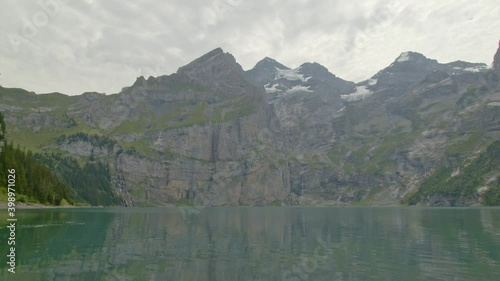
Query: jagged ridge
point(213, 134)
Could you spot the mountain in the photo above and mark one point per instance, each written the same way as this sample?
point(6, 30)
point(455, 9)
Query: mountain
point(264, 71)
point(410, 68)
point(214, 134)
point(303, 99)
point(193, 137)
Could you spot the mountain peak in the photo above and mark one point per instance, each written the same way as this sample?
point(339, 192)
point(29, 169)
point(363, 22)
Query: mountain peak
point(411, 56)
point(211, 67)
point(214, 52)
point(215, 56)
point(312, 68)
point(269, 63)
point(264, 71)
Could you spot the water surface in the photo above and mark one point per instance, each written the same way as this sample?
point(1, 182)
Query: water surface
point(270, 243)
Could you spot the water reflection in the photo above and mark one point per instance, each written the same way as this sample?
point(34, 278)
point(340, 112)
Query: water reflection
point(257, 244)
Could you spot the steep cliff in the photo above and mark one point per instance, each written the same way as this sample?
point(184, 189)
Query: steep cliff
point(214, 134)
point(203, 135)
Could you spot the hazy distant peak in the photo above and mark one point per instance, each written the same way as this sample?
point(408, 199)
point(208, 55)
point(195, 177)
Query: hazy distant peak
point(313, 68)
point(268, 62)
point(410, 56)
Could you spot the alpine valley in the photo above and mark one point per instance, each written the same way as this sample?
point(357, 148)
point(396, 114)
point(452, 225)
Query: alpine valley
point(211, 134)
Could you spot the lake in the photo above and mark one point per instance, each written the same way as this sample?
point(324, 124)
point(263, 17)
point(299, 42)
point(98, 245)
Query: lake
point(247, 243)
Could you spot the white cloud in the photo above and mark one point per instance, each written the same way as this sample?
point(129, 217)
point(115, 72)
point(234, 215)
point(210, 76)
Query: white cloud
point(102, 45)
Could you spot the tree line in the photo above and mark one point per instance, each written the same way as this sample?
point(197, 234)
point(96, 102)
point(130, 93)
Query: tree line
point(90, 183)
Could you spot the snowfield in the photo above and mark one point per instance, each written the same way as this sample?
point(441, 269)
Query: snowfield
point(290, 74)
point(360, 93)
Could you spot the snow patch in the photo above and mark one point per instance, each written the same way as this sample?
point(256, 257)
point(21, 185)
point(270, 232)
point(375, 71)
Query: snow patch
point(299, 88)
point(473, 69)
point(404, 57)
point(372, 82)
point(290, 74)
point(272, 89)
point(360, 93)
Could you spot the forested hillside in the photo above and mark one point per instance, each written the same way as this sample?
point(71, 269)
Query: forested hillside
point(35, 183)
point(53, 179)
point(90, 183)
point(457, 185)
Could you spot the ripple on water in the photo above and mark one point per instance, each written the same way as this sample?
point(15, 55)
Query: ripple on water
point(51, 224)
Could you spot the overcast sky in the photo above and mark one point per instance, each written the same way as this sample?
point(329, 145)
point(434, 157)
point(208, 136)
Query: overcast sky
point(75, 46)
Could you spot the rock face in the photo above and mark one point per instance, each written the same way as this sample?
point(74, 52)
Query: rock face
point(496, 59)
point(215, 143)
point(214, 134)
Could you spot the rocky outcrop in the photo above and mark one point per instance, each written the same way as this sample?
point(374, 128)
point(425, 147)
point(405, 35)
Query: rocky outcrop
point(496, 59)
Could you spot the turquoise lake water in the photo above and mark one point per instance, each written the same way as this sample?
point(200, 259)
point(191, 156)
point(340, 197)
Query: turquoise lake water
point(245, 243)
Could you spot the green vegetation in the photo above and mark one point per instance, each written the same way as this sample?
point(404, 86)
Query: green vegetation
point(240, 107)
point(184, 202)
point(379, 160)
point(467, 145)
point(472, 176)
point(48, 115)
point(370, 156)
point(53, 179)
point(336, 153)
point(183, 116)
point(276, 203)
point(193, 117)
point(12, 96)
point(130, 126)
point(143, 146)
point(95, 140)
point(186, 115)
point(36, 141)
point(90, 183)
point(313, 161)
point(33, 180)
point(138, 193)
point(218, 115)
point(492, 196)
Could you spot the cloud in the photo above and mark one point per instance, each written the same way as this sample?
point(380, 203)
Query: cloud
point(103, 45)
